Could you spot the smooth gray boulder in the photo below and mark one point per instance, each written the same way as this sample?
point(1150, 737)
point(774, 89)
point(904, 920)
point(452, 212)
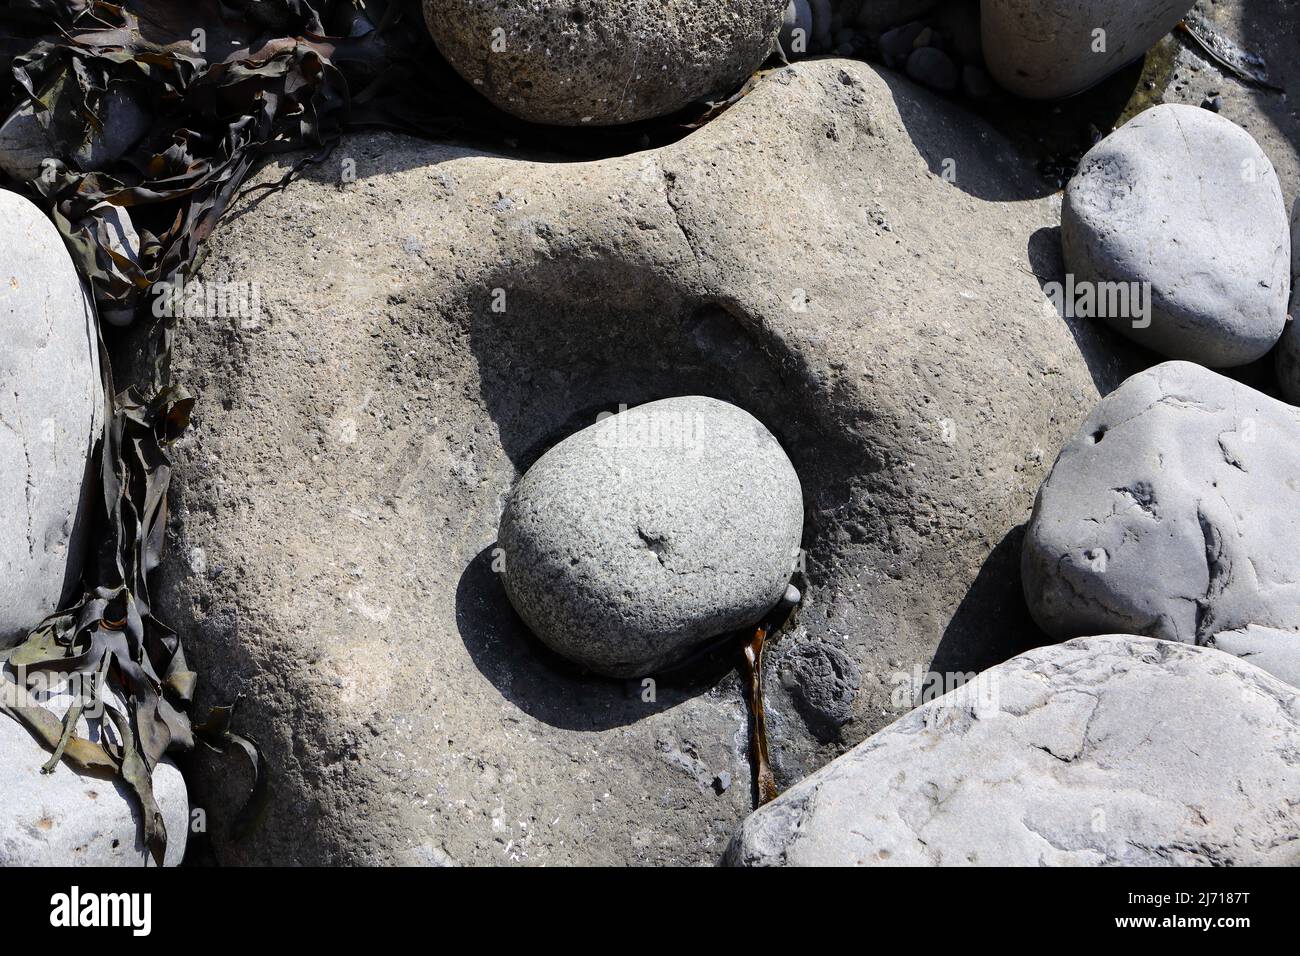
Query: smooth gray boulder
point(1106, 751)
point(25, 143)
point(1050, 49)
point(51, 414)
point(635, 540)
point(1173, 512)
point(68, 818)
point(797, 29)
point(1186, 201)
point(605, 63)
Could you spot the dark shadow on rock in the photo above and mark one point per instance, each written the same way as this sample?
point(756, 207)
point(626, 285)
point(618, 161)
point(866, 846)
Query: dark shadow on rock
point(551, 689)
point(1110, 357)
point(992, 623)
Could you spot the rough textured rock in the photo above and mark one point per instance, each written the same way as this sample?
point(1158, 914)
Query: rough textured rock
point(1185, 200)
point(352, 450)
point(601, 63)
point(1106, 751)
point(1173, 513)
point(634, 541)
point(51, 413)
point(1049, 49)
point(72, 819)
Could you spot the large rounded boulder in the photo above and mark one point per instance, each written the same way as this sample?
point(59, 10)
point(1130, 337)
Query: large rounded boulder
point(1183, 203)
point(602, 63)
point(635, 540)
point(1173, 512)
point(1050, 49)
point(51, 411)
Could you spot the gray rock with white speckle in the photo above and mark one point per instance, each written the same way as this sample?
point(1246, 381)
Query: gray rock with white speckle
point(1185, 200)
point(1049, 49)
point(636, 539)
point(1173, 512)
point(51, 412)
point(1106, 751)
point(603, 63)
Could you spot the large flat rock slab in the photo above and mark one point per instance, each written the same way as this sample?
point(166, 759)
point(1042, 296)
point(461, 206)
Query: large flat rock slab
point(1106, 751)
point(433, 324)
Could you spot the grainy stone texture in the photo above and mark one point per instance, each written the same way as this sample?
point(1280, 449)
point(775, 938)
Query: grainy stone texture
point(797, 257)
point(1106, 751)
point(1047, 49)
point(72, 819)
point(636, 540)
point(1173, 513)
point(1185, 200)
point(51, 413)
point(599, 62)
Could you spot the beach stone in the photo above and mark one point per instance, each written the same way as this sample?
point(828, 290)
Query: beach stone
point(1185, 200)
point(25, 144)
point(51, 415)
point(931, 67)
point(1105, 751)
point(797, 29)
point(635, 540)
point(1050, 49)
point(1173, 512)
point(603, 63)
point(68, 818)
point(881, 14)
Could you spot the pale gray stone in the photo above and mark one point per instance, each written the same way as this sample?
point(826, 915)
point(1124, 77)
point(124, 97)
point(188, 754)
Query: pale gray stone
point(601, 64)
point(51, 414)
point(1049, 49)
point(1173, 512)
point(1185, 200)
point(68, 818)
point(1105, 751)
point(1277, 652)
point(637, 539)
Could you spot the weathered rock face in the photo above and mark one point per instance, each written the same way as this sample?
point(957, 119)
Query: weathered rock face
point(1106, 751)
point(51, 414)
point(599, 62)
point(430, 330)
point(634, 541)
point(1049, 49)
point(1185, 200)
point(1172, 513)
point(72, 819)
